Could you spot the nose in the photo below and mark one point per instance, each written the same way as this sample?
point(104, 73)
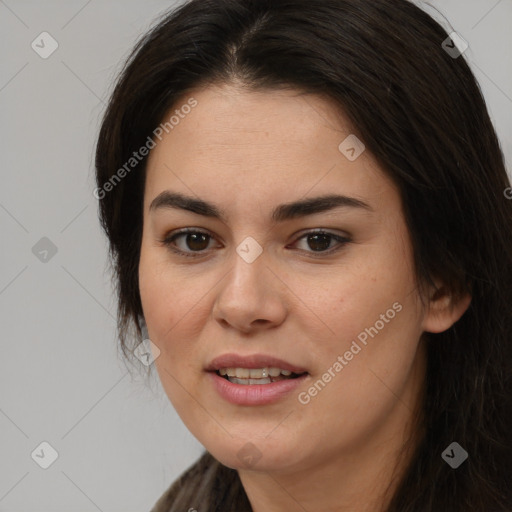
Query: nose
point(250, 296)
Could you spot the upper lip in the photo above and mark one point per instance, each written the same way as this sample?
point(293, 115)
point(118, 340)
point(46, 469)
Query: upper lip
point(251, 361)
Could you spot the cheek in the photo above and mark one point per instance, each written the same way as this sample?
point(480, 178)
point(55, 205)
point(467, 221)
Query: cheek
point(372, 318)
point(339, 304)
point(368, 363)
point(172, 301)
point(370, 328)
point(176, 306)
point(168, 307)
point(358, 385)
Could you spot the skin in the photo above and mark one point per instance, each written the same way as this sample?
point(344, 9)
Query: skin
point(248, 152)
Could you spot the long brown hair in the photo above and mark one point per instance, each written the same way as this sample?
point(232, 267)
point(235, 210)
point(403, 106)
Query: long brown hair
point(420, 111)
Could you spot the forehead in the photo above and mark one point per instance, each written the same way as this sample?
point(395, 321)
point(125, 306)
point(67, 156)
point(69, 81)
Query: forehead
point(254, 147)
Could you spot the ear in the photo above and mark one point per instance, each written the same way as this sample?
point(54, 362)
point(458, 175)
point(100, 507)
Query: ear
point(443, 309)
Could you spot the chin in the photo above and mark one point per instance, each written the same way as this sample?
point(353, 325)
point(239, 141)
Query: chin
point(256, 454)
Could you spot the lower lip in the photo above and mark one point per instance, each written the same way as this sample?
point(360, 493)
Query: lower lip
point(254, 394)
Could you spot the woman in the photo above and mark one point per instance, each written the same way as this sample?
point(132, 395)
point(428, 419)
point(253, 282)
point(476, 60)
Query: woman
point(305, 203)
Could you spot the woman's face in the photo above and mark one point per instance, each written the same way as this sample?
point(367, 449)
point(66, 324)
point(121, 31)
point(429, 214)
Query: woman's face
point(257, 289)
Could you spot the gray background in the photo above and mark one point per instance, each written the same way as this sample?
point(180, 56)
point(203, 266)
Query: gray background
point(119, 441)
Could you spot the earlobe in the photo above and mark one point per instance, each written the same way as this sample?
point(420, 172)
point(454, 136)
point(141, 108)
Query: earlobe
point(444, 310)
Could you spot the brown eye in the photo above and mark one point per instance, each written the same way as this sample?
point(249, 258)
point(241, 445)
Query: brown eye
point(190, 242)
point(196, 241)
point(321, 242)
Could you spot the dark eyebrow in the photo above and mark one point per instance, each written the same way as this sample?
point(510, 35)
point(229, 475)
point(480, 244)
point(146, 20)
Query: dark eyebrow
point(281, 213)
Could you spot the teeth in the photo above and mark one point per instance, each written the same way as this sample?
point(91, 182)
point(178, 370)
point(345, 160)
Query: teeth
point(254, 373)
point(249, 381)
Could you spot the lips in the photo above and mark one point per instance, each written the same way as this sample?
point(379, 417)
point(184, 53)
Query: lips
point(251, 392)
point(253, 361)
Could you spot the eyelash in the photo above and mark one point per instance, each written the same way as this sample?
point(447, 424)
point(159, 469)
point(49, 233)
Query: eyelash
point(167, 241)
